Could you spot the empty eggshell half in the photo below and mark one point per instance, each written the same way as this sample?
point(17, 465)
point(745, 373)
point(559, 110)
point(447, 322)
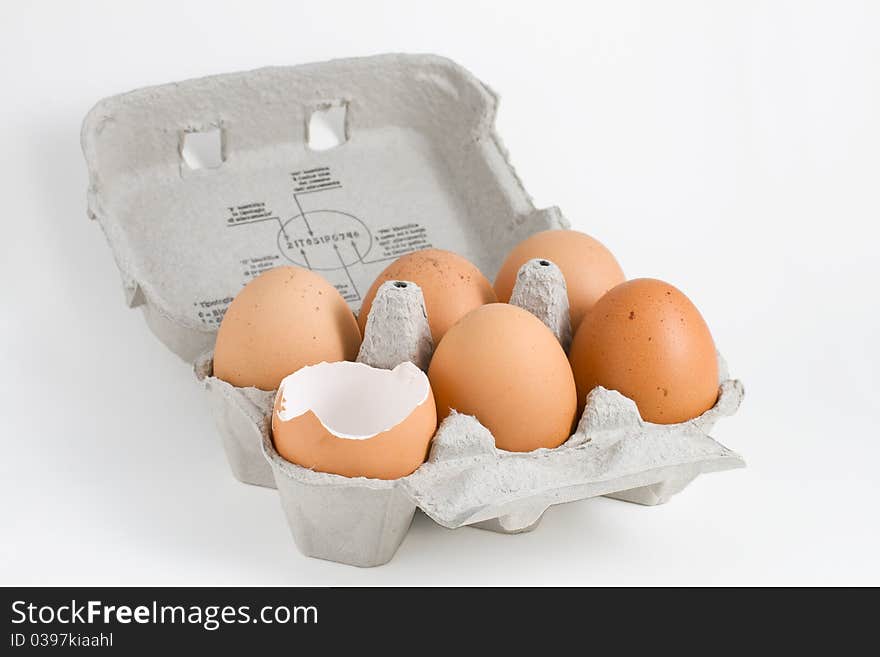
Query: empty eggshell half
point(354, 420)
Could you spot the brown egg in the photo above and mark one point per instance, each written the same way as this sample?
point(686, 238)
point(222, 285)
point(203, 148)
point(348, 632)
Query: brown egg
point(284, 319)
point(451, 285)
point(355, 420)
point(502, 365)
point(590, 269)
point(646, 340)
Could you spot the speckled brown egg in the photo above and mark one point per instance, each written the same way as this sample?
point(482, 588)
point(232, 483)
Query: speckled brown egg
point(284, 319)
point(645, 339)
point(451, 286)
point(502, 365)
point(589, 268)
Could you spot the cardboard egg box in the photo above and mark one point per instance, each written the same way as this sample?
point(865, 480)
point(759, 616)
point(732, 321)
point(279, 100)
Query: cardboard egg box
point(201, 186)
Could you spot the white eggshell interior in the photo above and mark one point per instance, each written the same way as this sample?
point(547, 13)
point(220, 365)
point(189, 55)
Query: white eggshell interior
point(354, 400)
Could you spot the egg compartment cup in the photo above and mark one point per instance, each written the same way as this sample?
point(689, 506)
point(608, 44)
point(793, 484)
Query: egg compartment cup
point(466, 480)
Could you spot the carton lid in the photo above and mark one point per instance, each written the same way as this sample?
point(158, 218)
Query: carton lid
point(201, 185)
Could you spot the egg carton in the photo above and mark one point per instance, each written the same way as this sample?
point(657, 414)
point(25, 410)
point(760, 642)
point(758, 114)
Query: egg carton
point(201, 185)
point(466, 479)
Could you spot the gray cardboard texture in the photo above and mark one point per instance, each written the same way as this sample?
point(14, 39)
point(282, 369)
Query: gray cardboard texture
point(420, 166)
point(236, 412)
point(397, 330)
point(540, 288)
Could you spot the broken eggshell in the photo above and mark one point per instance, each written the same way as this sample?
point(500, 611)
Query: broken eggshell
point(355, 420)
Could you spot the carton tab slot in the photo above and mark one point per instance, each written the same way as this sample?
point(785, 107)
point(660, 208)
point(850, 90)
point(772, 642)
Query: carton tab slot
point(202, 149)
point(327, 127)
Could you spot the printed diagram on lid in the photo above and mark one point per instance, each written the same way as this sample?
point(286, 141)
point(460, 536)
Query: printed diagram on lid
point(324, 236)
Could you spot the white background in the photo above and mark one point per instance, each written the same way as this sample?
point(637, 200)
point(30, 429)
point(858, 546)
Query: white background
point(730, 148)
